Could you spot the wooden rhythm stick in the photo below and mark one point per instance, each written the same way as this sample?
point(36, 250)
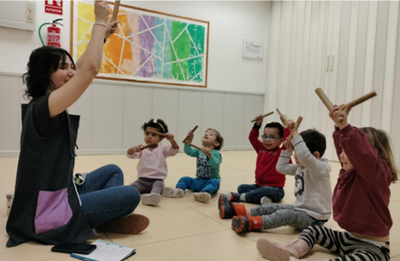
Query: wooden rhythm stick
point(194, 146)
point(298, 122)
point(191, 131)
point(283, 117)
point(265, 115)
point(115, 11)
point(361, 99)
point(153, 145)
point(326, 101)
point(158, 133)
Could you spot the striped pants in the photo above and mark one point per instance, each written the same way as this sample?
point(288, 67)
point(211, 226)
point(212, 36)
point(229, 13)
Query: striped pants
point(349, 248)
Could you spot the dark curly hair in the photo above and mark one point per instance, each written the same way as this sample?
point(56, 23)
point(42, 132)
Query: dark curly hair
point(153, 124)
point(43, 62)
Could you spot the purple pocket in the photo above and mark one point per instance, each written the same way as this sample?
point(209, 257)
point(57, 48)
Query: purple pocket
point(52, 211)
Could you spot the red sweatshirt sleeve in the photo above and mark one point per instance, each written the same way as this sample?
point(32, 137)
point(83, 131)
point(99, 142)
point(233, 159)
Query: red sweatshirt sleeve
point(336, 141)
point(361, 154)
point(255, 142)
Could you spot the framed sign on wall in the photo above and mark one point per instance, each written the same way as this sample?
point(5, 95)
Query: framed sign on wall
point(253, 50)
point(149, 46)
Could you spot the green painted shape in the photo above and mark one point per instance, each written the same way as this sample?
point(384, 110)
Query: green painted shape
point(195, 65)
point(198, 34)
point(182, 45)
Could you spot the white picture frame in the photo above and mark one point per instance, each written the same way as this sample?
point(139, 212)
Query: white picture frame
point(253, 50)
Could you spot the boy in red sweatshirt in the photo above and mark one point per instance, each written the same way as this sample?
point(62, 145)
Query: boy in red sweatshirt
point(269, 183)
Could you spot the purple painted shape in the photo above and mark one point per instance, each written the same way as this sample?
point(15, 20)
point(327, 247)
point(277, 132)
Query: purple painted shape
point(147, 43)
point(52, 210)
point(148, 69)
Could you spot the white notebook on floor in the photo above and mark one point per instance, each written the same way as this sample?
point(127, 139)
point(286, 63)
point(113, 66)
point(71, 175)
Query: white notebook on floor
point(107, 251)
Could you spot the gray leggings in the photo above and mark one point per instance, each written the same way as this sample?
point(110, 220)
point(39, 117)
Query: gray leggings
point(277, 215)
point(149, 185)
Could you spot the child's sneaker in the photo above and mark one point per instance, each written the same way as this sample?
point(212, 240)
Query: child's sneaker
point(234, 197)
point(274, 251)
point(202, 196)
point(243, 224)
point(132, 224)
point(265, 200)
point(151, 199)
point(169, 192)
point(225, 207)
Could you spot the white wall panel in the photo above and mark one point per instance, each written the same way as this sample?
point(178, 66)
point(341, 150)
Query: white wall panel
point(303, 90)
point(395, 126)
point(233, 114)
point(309, 100)
point(273, 58)
point(189, 114)
point(113, 112)
point(83, 107)
point(10, 115)
point(137, 111)
point(389, 65)
point(379, 63)
point(298, 64)
point(286, 50)
point(107, 116)
point(351, 58)
point(212, 115)
point(253, 106)
point(365, 29)
point(165, 106)
point(363, 38)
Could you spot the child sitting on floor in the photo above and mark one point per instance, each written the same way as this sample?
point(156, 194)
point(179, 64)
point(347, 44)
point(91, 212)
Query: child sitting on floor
point(269, 183)
point(360, 199)
point(312, 189)
point(152, 167)
point(207, 179)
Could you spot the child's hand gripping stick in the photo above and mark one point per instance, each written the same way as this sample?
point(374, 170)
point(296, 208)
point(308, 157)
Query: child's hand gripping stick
point(188, 135)
point(153, 145)
point(298, 122)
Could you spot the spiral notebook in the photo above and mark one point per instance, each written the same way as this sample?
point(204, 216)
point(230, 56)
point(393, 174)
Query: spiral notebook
point(107, 251)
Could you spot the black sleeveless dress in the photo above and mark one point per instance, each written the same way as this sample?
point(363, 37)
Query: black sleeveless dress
point(46, 207)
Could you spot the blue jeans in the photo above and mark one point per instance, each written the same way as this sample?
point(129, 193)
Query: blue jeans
point(104, 197)
point(254, 193)
point(199, 185)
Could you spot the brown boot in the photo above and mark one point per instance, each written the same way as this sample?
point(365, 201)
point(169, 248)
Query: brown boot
point(132, 224)
point(282, 252)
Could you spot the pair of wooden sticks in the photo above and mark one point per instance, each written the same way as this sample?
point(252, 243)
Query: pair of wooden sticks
point(184, 141)
point(190, 144)
point(328, 104)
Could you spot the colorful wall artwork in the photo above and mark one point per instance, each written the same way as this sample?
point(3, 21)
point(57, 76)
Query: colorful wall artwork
point(149, 46)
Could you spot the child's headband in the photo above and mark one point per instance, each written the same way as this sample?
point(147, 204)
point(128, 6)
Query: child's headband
point(155, 121)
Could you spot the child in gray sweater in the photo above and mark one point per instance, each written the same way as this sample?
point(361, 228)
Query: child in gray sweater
point(312, 189)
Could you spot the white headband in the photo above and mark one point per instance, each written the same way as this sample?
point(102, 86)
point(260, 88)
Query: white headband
point(155, 121)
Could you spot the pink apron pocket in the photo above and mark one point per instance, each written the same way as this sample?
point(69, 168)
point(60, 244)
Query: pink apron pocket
point(52, 210)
